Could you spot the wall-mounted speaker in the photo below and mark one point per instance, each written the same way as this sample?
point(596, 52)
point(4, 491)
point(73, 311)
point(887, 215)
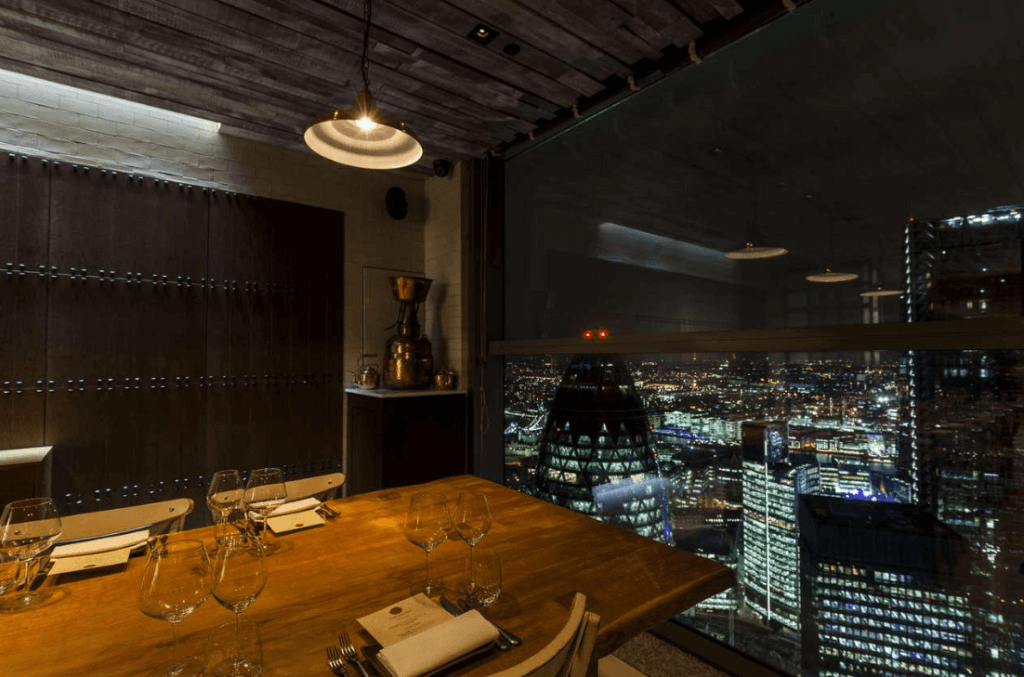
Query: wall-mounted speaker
point(442, 167)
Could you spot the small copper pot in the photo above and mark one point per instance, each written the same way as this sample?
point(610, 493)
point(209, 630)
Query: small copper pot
point(445, 380)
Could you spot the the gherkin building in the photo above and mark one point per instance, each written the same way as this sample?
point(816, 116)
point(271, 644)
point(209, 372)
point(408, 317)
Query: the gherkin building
point(595, 451)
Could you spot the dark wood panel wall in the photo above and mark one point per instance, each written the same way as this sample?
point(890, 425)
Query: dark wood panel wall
point(153, 332)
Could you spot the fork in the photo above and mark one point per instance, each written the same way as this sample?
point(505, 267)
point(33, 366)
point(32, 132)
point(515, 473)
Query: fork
point(335, 662)
point(349, 652)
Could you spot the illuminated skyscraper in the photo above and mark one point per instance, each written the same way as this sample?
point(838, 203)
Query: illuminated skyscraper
point(771, 484)
point(596, 455)
point(884, 591)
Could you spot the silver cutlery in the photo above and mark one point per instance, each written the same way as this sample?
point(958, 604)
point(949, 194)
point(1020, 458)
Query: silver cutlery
point(327, 512)
point(513, 640)
point(335, 661)
point(348, 652)
point(504, 644)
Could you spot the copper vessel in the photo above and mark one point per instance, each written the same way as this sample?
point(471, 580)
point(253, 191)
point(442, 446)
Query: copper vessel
point(408, 361)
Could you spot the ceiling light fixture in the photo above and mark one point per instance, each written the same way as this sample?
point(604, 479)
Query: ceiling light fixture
point(829, 277)
point(749, 250)
point(362, 136)
point(482, 34)
point(881, 291)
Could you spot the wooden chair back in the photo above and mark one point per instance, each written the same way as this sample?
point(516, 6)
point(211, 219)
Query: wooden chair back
point(327, 485)
point(569, 653)
point(162, 517)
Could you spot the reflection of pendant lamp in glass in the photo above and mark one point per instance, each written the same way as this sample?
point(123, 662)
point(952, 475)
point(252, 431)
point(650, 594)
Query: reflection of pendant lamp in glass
point(879, 290)
point(362, 136)
point(751, 251)
point(830, 277)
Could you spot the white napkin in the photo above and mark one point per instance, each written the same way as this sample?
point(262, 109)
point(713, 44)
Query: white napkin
point(290, 507)
point(441, 644)
point(130, 540)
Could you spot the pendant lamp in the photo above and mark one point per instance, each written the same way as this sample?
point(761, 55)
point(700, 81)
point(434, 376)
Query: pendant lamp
point(751, 251)
point(830, 277)
point(362, 136)
point(880, 290)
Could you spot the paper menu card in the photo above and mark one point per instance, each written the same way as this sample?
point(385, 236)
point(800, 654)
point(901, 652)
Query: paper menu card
point(93, 560)
point(294, 521)
point(404, 619)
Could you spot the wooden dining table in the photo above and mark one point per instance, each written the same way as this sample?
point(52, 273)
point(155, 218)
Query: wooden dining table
point(321, 580)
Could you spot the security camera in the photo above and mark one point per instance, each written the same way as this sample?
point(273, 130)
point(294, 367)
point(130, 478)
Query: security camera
point(442, 167)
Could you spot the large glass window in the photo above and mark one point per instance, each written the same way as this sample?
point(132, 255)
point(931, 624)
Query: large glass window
point(856, 457)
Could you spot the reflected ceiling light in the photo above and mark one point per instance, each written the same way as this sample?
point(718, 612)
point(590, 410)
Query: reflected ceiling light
point(881, 291)
point(362, 136)
point(829, 277)
point(751, 251)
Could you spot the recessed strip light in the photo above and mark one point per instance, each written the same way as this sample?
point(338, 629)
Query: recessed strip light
point(750, 251)
point(828, 277)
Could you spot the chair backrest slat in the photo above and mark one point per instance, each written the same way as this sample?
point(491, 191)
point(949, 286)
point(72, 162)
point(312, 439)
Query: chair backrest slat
point(313, 486)
point(165, 516)
point(570, 648)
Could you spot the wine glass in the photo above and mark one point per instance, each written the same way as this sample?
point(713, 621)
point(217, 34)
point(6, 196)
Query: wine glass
point(239, 575)
point(472, 519)
point(224, 496)
point(427, 526)
point(27, 528)
point(175, 582)
point(264, 492)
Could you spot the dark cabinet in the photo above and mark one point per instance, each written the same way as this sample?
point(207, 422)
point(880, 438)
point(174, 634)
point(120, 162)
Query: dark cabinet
point(397, 438)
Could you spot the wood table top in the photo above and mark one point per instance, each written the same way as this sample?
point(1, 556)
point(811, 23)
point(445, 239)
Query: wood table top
point(321, 580)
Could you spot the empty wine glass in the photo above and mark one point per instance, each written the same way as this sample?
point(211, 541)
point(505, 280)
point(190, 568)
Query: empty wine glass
point(175, 581)
point(239, 575)
point(264, 492)
point(472, 519)
point(427, 526)
point(27, 528)
point(223, 497)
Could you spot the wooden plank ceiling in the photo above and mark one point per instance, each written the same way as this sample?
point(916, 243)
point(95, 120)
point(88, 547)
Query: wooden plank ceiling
point(265, 68)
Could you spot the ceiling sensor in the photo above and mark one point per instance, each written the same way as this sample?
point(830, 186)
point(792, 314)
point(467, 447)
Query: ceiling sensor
point(482, 34)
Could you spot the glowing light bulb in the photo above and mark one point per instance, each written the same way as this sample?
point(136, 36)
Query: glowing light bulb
point(366, 123)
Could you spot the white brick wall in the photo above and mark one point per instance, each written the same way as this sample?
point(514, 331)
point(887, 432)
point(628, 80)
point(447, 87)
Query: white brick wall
point(76, 126)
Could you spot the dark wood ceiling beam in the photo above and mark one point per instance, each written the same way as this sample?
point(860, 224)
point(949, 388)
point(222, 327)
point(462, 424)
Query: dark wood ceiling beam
point(534, 29)
point(666, 19)
point(757, 14)
point(582, 17)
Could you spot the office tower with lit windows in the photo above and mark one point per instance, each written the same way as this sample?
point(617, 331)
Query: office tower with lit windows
point(772, 480)
point(595, 451)
point(961, 448)
point(884, 591)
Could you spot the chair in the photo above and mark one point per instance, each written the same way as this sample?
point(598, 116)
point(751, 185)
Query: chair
point(162, 517)
point(313, 486)
point(568, 654)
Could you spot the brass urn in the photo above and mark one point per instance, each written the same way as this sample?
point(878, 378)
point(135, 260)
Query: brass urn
point(408, 362)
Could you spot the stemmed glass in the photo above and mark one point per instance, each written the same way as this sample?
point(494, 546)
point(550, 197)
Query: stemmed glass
point(472, 519)
point(264, 492)
point(175, 582)
point(223, 497)
point(239, 575)
point(427, 526)
point(27, 528)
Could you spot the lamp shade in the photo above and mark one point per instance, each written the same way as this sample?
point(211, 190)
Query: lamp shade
point(829, 277)
point(881, 291)
point(751, 251)
point(363, 137)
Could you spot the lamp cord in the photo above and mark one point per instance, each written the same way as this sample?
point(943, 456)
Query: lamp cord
point(367, 13)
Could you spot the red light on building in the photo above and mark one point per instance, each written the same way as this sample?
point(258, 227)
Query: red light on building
point(602, 334)
point(588, 334)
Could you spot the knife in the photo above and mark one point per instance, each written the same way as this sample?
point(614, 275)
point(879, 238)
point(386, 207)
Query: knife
point(509, 637)
point(503, 642)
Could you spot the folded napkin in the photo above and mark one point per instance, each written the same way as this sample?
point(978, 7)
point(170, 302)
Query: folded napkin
point(290, 507)
point(441, 644)
point(129, 540)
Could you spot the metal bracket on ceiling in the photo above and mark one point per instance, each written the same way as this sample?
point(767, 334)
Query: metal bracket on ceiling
point(575, 110)
point(633, 87)
point(789, 5)
point(693, 52)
